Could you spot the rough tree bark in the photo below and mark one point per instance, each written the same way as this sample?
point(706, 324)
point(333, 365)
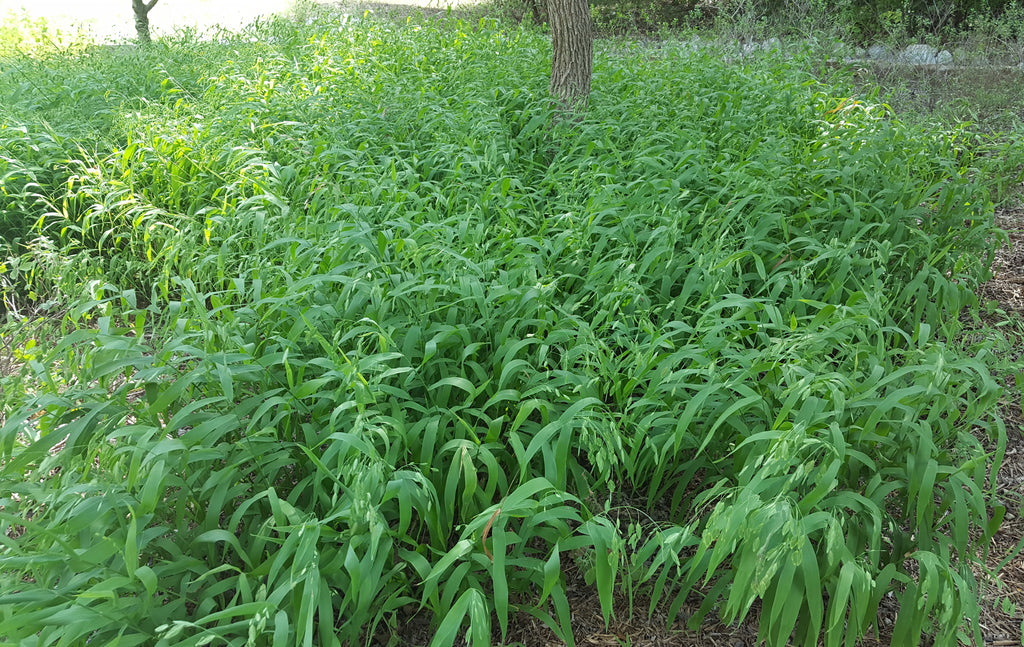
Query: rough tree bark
point(572, 37)
point(141, 9)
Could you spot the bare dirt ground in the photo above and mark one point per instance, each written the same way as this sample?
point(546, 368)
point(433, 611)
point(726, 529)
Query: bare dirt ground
point(1001, 621)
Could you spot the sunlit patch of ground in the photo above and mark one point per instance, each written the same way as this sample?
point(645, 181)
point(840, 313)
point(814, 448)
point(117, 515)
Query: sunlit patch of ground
point(114, 18)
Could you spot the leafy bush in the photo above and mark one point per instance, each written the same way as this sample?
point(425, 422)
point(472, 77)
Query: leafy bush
point(863, 20)
point(355, 323)
point(1003, 33)
point(866, 20)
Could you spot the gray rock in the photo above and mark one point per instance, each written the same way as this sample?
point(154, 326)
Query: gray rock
point(878, 52)
point(753, 47)
point(920, 54)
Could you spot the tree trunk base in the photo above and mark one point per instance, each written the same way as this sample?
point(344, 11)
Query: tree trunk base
point(572, 39)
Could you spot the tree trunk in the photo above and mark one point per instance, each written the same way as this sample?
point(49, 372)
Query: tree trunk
point(572, 38)
point(141, 9)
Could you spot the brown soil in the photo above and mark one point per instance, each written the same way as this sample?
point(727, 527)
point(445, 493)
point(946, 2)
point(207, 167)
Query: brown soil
point(1001, 621)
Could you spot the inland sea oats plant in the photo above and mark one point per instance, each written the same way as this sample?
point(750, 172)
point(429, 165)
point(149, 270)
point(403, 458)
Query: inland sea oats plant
point(351, 328)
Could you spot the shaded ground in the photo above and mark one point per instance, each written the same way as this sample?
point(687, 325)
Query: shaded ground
point(988, 97)
point(1003, 612)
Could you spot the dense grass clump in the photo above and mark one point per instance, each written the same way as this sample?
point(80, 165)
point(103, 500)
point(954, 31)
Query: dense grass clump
point(355, 324)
